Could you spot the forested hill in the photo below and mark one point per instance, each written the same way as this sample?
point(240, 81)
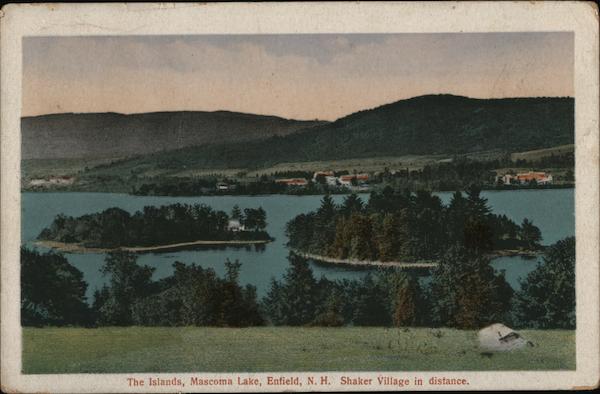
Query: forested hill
point(434, 124)
point(72, 135)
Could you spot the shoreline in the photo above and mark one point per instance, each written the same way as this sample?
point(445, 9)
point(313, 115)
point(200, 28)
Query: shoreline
point(300, 194)
point(364, 263)
point(77, 248)
point(399, 264)
point(516, 252)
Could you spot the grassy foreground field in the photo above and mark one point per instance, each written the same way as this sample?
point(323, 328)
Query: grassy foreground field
point(199, 349)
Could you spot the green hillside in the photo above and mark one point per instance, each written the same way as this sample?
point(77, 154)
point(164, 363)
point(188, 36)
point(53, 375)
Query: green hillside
point(426, 125)
point(109, 135)
point(259, 349)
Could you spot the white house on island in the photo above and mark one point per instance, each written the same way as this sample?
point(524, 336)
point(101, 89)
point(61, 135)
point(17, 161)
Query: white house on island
point(235, 226)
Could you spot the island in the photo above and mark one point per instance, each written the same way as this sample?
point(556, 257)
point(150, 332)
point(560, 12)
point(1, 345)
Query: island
point(156, 229)
point(404, 229)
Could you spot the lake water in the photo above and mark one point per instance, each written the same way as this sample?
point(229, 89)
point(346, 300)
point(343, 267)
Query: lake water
point(551, 210)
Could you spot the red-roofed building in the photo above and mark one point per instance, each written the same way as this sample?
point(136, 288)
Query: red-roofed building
point(324, 173)
point(347, 179)
point(292, 181)
point(540, 177)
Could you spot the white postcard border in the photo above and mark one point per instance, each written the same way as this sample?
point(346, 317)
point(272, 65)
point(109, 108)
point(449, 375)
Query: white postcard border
point(18, 21)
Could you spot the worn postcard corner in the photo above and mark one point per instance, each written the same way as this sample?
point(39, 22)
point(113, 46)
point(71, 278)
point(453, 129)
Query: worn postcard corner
point(299, 197)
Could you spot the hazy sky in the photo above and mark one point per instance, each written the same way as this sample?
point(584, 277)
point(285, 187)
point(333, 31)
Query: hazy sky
point(322, 76)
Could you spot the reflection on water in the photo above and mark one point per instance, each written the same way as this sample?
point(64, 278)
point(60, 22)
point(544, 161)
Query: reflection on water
point(260, 263)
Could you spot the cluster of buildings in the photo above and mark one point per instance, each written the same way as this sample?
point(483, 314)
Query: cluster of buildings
point(292, 181)
point(52, 181)
point(525, 178)
point(329, 178)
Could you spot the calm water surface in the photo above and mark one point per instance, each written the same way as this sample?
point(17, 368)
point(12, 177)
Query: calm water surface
point(551, 210)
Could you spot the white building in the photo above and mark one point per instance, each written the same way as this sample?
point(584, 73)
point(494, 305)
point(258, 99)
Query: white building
point(331, 181)
point(235, 226)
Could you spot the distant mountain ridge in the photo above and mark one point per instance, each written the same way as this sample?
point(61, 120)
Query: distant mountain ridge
point(424, 125)
point(75, 135)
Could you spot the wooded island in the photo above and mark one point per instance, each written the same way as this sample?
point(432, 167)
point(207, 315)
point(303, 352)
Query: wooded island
point(155, 226)
point(397, 225)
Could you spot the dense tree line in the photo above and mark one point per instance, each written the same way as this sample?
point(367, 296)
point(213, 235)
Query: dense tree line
point(456, 174)
point(258, 186)
point(388, 297)
point(461, 172)
point(208, 187)
point(464, 292)
point(192, 295)
point(176, 187)
point(53, 294)
point(162, 225)
point(404, 226)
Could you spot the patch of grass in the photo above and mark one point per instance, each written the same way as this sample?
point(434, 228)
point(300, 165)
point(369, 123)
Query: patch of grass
point(203, 349)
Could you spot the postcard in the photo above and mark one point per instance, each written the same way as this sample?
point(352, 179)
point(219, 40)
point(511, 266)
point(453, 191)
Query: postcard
point(270, 197)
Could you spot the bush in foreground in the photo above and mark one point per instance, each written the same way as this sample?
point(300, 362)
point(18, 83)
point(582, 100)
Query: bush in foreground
point(547, 295)
point(52, 291)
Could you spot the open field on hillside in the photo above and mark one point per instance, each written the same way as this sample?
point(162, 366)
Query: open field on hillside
point(46, 167)
point(40, 168)
point(539, 153)
point(372, 164)
point(200, 349)
point(361, 165)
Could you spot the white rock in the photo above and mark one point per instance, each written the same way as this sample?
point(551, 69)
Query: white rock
point(500, 338)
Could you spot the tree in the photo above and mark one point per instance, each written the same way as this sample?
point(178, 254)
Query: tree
point(129, 282)
point(238, 306)
point(390, 238)
point(456, 219)
point(293, 301)
point(99, 298)
point(530, 234)
point(362, 241)
point(330, 314)
point(52, 291)
point(320, 179)
point(328, 210)
point(113, 228)
point(569, 176)
point(340, 248)
point(406, 303)
point(547, 295)
point(255, 219)
point(371, 307)
point(476, 205)
point(236, 213)
point(325, 222)
point(466, 292)
point(352, 204)
point(261, 218)
point(478, 235)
